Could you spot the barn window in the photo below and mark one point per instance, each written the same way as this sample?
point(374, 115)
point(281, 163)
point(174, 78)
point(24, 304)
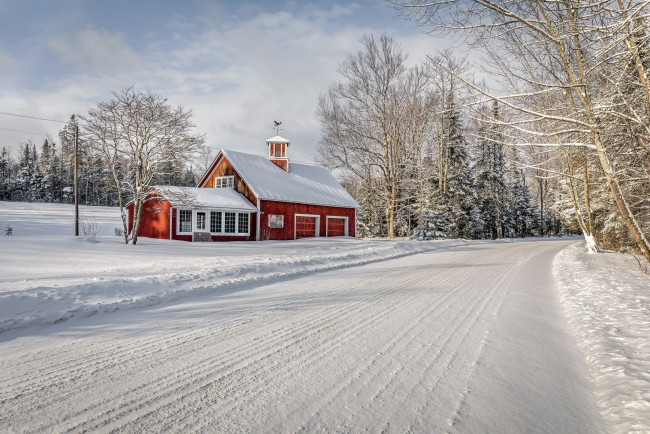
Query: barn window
point(224, 181)
point(200, 221)
point(276, 221)
point(184, 220)
point(230, 223)
point(242, 223)
point(215, 221)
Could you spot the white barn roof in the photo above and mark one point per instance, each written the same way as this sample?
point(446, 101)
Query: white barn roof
point(215, 198)
point(304, 183)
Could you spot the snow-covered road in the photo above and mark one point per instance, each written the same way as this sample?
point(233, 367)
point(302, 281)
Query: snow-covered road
point(470, 339)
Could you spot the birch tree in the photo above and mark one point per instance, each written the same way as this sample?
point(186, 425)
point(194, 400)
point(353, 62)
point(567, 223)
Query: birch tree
point(571, 52)
point(361, 118)
point(443, 68)
point(143, 132)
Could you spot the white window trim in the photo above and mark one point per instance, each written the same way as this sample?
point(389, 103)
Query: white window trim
point(223, 223)
point(327, 220)
point(230, 181)
point(178, 221)
point(306, 215)
point(210, 220)
point(195, 220)
point(248, 223)
point(207, 221)
point(269, 221)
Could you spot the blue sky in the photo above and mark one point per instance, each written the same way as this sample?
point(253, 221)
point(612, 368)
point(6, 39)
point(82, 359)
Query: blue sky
point(237, 65)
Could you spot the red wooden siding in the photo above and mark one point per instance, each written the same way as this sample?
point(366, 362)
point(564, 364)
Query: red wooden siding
point(289, 211)
point(282, 164)
point(155, 223)
point(305, 227)
point(335, 227)
point(155, 219)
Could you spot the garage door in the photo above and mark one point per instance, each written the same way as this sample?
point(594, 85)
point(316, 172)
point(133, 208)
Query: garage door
point(305, 227)
point(335, 227)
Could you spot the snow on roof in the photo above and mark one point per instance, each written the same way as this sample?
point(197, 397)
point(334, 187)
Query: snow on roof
point(304, 183)
point(277, 139)
point(193, 197)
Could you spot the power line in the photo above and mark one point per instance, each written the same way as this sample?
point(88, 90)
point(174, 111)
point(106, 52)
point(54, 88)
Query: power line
point(32, 117)
point(26, 132)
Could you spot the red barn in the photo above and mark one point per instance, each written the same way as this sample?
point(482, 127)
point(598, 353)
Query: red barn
point(251, 197)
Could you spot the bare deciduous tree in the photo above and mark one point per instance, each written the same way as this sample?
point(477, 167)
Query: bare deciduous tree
point(362, 117)
point(142, 132)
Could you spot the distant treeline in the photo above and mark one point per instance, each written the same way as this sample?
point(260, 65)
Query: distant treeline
point(47, 174)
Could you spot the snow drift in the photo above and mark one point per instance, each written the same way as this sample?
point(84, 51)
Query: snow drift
point(605, 297)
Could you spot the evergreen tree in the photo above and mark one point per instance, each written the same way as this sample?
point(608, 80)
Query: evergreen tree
point(36, 186)
point(46, 155)
point(371, 216)
point(189, 178)
point(433, 222)
point(464, 215)
point(489, 178)
point(50, 165)
point(518, 210)
point(5, 175)
point(48, 176)
point(35, 192)
point(21, 187)
point(66, 161)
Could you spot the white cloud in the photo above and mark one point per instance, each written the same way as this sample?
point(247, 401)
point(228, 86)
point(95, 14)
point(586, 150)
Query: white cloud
point(271, 67)
point(94, 50)
point(8, 66)
point(237, 77)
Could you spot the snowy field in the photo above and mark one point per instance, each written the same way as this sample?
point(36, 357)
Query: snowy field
point(338, 335)
point(47, 275)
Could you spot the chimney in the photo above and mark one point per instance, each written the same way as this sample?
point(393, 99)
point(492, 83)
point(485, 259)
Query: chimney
point(278, 152)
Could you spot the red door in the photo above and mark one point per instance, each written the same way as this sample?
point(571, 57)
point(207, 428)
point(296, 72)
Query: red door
point(305, 227)
point(335, 227)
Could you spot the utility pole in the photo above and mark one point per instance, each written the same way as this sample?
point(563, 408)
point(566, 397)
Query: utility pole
point(76, 189)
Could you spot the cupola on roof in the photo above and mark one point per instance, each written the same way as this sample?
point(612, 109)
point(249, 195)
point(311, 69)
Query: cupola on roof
point(278, 147)
point(277, 139)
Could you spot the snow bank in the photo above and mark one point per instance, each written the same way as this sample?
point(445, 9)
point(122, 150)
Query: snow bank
point(47, 276)
point(606, 299)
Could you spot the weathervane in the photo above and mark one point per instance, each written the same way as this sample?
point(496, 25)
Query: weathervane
point(277, 127)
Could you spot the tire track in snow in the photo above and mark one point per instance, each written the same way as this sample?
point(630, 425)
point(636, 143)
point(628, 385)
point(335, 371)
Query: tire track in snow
point(328, 349)
point(319, 349)
point(400, 343)
point(142, 344)
point(222, 368)
point(490, 306)
point(299, 357)
point(255, 345)
point(441, 360)
point(348, 315)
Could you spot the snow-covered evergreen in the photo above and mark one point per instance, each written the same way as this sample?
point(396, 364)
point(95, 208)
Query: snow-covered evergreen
point(47, 176)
